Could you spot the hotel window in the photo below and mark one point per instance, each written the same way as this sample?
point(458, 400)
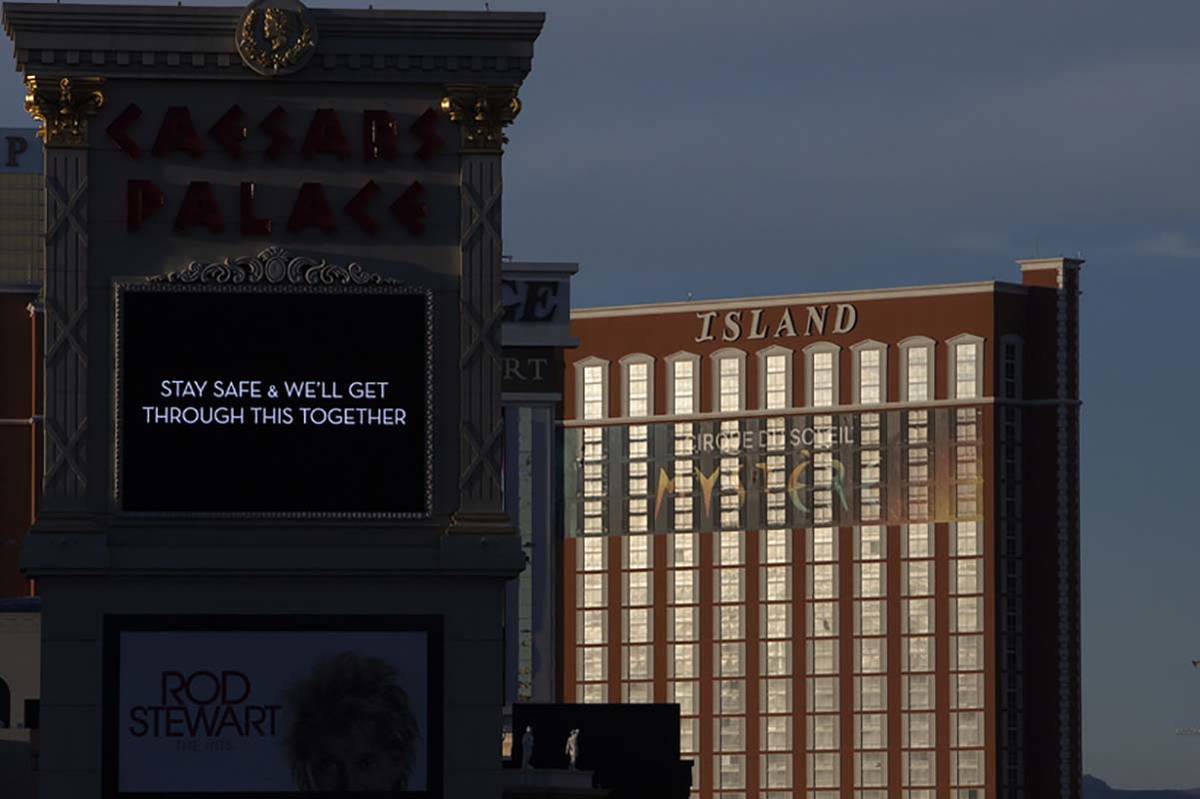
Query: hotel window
point(591, 394)
point(916, 369)
point(637, 385)
point(637, 397)
point(968, 626)
point(729, 657)
point(729, 376)
point(821, 642)
point(918, 628)
point(729, 380)
point(821, 374)
point(591, 652)
point(776, 635)
point(683, 398)
point(965, 361)
point(870, 661)
point(869, 386)
point(775, 378)
point(637, 619)
point(682, 665)
point(966, 462)
point(683, 373)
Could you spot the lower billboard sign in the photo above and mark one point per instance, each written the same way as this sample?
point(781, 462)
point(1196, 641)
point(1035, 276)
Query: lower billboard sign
point(272, 706)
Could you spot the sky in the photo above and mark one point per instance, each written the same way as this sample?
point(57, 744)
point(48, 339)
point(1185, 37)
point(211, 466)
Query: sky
point(781, 146)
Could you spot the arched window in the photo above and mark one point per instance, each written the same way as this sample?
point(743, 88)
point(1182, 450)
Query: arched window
point(964, 355)
point(916, 369)
point(775, 378)
point(591, 388)
point(729, 380)
point(637, 385)
point(683, 383)
point(869, 383)
point(821, 374)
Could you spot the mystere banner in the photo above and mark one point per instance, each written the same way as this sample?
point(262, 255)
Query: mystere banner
point(789, 471)
point(295, 402)
point(215, 705)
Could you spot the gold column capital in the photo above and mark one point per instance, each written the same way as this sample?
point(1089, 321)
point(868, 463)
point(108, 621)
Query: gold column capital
point(481, 113)
point(63, 106)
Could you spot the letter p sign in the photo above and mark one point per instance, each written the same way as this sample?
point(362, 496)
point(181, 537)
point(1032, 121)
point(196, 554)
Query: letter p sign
point(16, 146)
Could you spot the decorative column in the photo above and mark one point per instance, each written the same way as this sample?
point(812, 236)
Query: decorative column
point(63, 107)
point(481, 113)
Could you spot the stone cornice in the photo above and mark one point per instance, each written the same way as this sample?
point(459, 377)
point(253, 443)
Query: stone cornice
point(178, 41)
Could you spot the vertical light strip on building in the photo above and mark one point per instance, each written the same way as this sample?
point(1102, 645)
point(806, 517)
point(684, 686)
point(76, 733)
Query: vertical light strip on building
point(637, 655)
point(776, 607)
point(821, 622)
point(918, 623)
point(683, 663)
point(592, 655)
point(967, 694)
point(729, 608)
point(870, 607)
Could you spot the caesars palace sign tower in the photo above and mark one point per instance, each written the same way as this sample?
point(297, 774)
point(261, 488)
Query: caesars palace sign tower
point(271, 546)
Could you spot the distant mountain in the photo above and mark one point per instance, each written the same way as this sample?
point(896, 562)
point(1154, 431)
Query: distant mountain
point(1095, 788)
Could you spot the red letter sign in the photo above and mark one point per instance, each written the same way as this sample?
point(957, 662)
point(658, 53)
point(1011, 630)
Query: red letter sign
point(409, 208)
point(177, 133)
point(230, 131)
point(118, 130)
point(325, 136)
point(251, 225)
point(311, 210)
point(200, 208)
point(143, 199)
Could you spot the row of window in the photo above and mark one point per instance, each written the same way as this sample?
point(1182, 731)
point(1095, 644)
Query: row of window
point(775, 609)
point(821, 364)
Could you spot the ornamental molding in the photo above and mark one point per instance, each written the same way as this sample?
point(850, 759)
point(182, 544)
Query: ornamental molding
point(62, 106)
point(481, 112)
point(356, 45)
point(274, 266)
point(276, 37)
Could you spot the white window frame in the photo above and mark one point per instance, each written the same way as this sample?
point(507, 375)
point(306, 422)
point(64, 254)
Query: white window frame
point(952, 364)
point(630, 360)
point(673, 359)
point(788, 374)
point(809, 352)
point(725, 354)
point(912, 343)
point(579, 389)
point(856, 351)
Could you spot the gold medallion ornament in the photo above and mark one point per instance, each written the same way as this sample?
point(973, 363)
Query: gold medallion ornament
point(276, 37)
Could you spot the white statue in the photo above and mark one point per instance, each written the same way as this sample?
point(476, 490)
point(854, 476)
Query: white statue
point(527, 747)
point(572, 748)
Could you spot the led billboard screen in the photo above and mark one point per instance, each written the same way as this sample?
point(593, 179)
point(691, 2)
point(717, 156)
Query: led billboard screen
point(273, 402)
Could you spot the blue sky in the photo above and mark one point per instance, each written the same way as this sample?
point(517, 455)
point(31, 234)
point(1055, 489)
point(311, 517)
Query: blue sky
point(773, 146)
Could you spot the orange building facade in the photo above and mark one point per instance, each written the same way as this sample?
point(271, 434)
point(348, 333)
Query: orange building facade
point(841, 531)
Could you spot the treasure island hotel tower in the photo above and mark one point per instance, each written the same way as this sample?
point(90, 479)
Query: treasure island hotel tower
point(841, 531)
